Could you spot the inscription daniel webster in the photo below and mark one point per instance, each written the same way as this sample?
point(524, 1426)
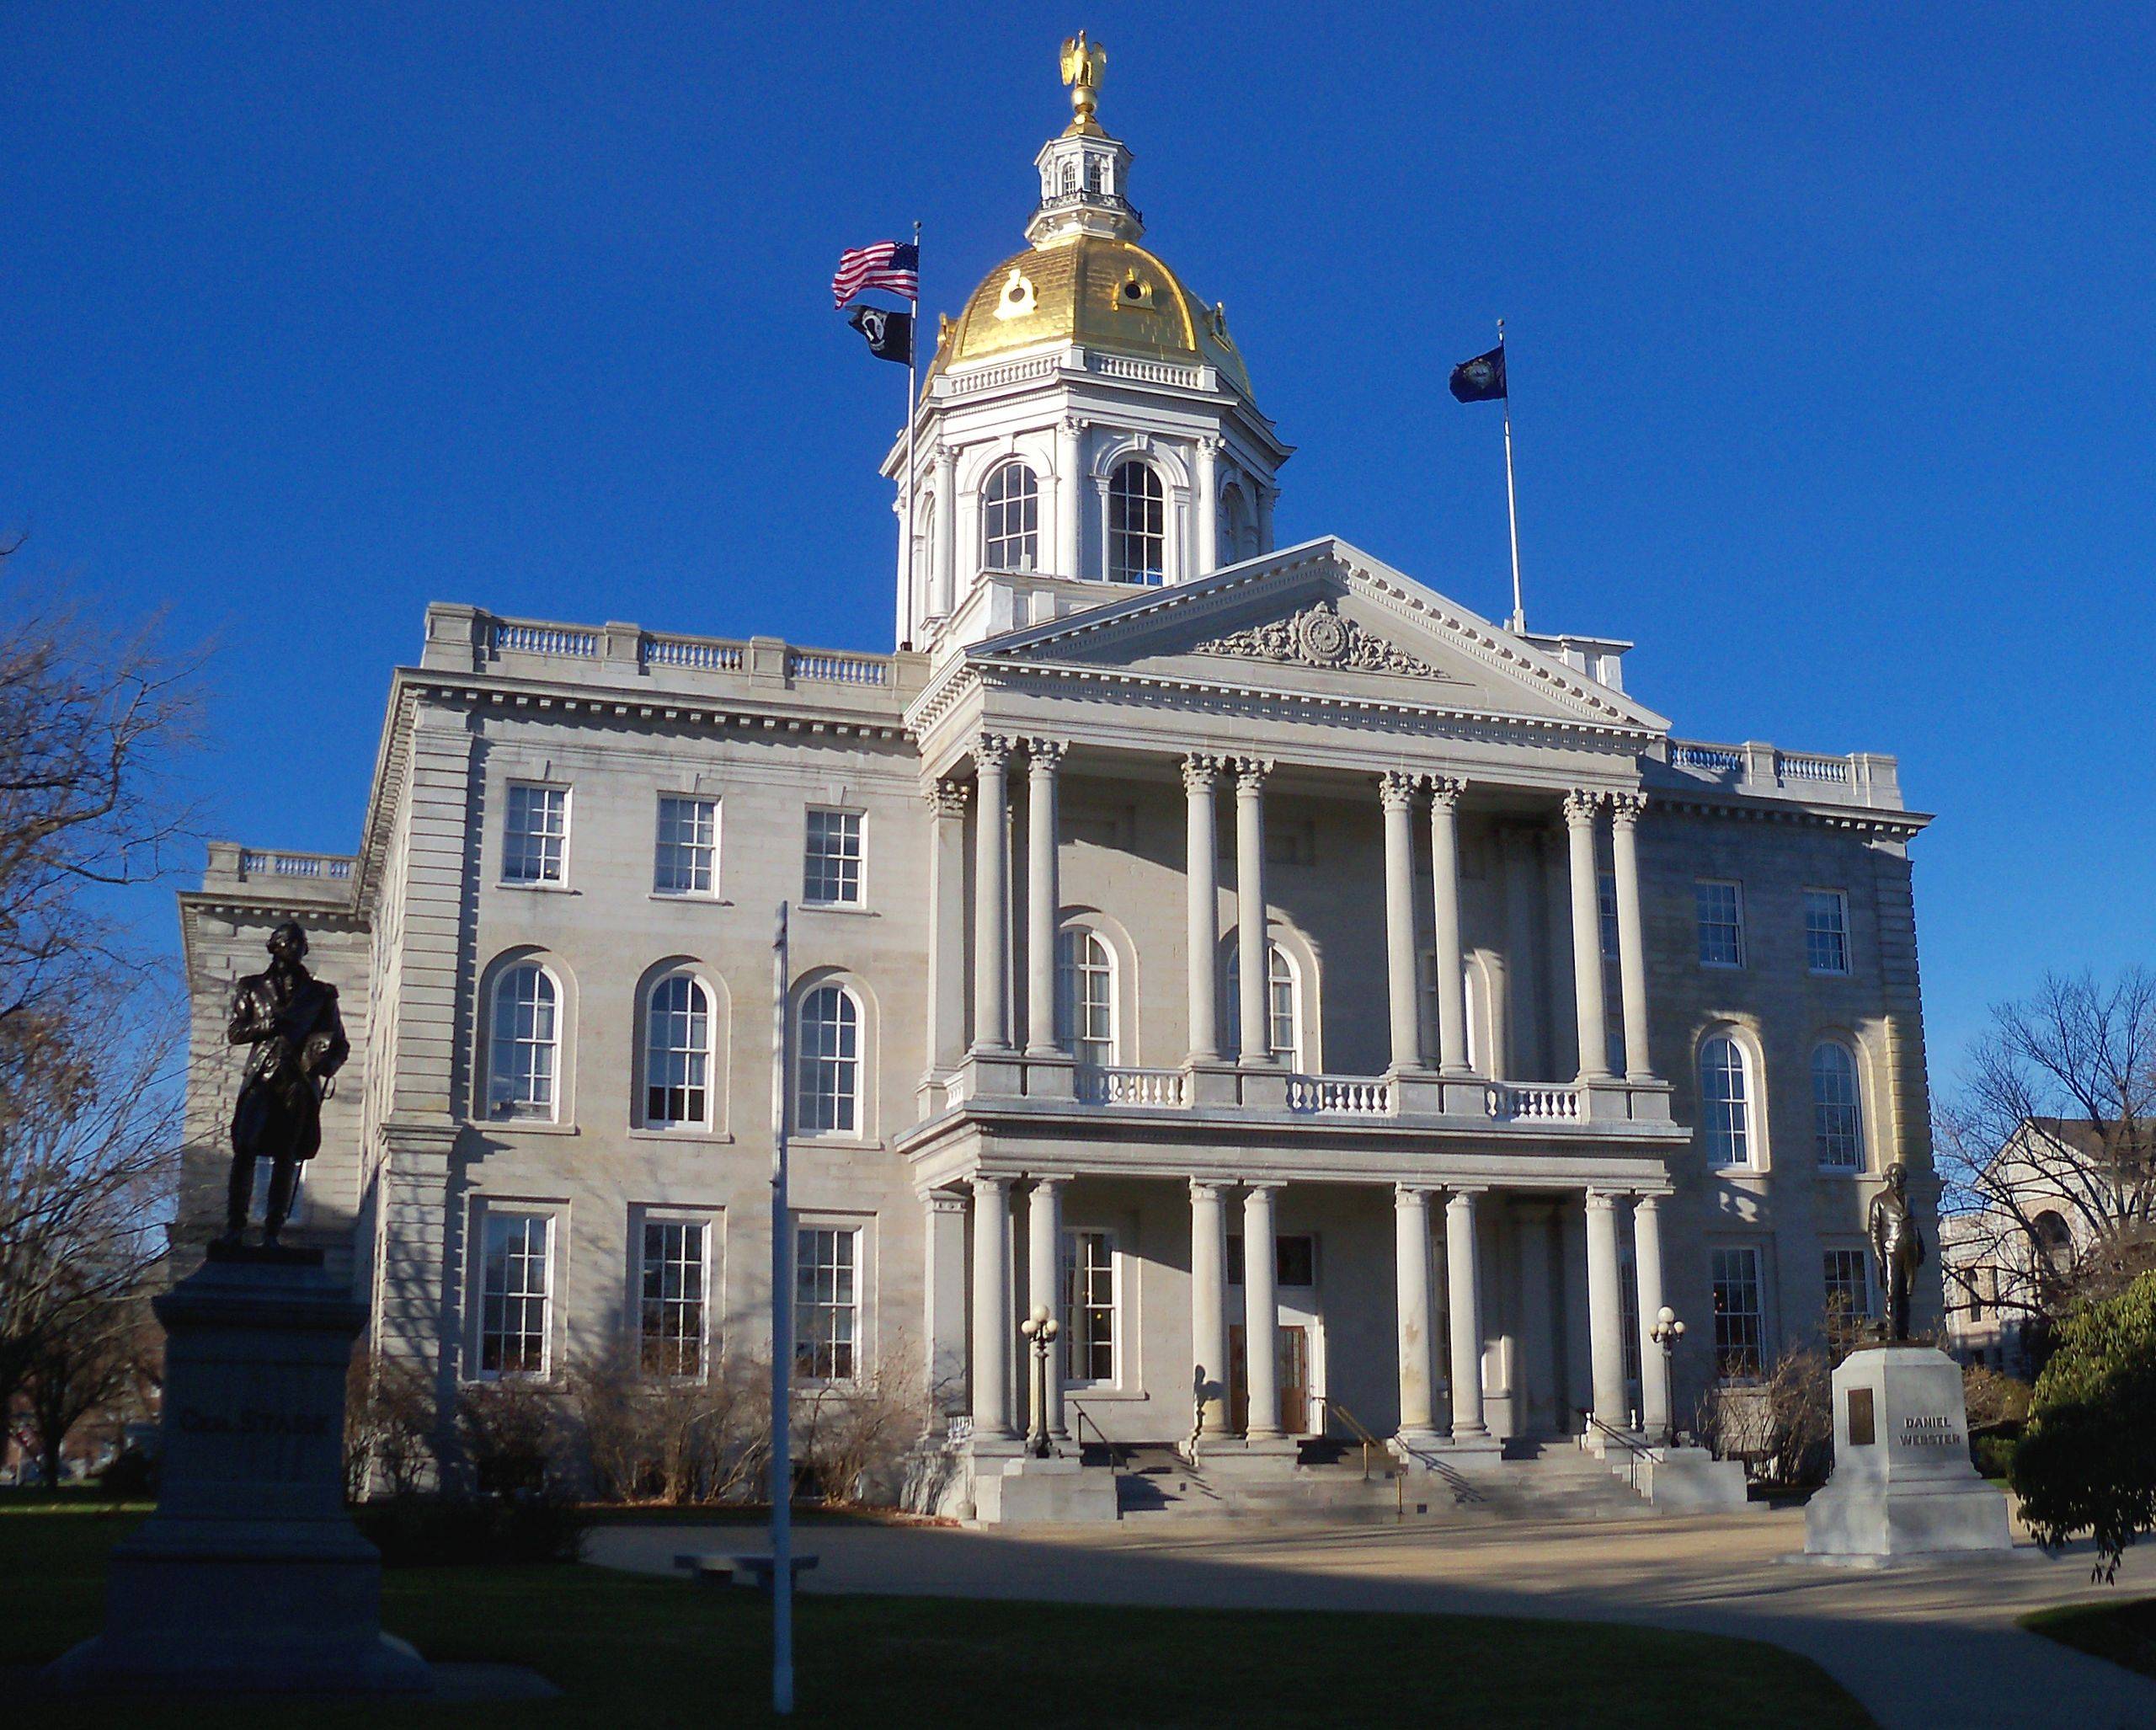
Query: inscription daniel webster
point(1932, 1432)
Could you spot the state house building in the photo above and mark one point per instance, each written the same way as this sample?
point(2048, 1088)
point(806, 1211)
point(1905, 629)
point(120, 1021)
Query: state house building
point(1216, 940)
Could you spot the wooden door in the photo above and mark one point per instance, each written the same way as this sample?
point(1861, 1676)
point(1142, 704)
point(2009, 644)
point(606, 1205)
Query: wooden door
point(1292, 1361)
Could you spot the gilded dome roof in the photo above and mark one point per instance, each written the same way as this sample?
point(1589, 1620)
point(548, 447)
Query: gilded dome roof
point(1097, 291)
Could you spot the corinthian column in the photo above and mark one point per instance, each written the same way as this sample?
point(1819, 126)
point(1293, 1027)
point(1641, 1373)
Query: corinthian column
point(1253, 960)
point(1605, 1312)
point(1042, 898)
point(946, 925)
point(1070, 496)
point(1397, 792)
point(1208, 505)
point(946, 527)
point(1260, 1314)
point(1625, 810)
point(1201, 883)
point(1209, 1307)
point(1451, 969)
point(1581, 806)
point(1411, 1235)
point(1654, 1367)
point(1463, 1275)
point(992, 1326)
point(991, 898)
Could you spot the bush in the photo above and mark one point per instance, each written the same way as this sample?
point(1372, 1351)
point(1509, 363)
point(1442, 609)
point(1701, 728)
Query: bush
point(2087, 1461)
point(1994, 1454)
point(132, 1476)
point(441, 1531)
point(389, 1422)
point(1781, 1426)
point(672, 1440)
point(1994, 1399)
point(510, 1433)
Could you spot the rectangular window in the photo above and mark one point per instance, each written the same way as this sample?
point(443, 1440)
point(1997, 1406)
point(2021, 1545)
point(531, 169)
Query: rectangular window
point(1606, 900)
point(670, 1320)
point(831, 874)
point(1089, 1307)
point(535, 834)
point(1722, 923)
point(1294, 1261)
point(826, 1302)
point(1826, 931)
point(1738, 1328)
point(514, 1294)
point(686, 862)
point(1848, 1295)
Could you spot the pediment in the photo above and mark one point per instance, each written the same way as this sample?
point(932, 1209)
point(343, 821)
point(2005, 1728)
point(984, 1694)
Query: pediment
point(1322, 620)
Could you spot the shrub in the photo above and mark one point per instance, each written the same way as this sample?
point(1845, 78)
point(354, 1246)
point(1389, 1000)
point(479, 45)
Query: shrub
point(389, 1422)
point(673, 1440)
point(2087, 1461)
point(1781, 1426)
point(451, 1530)
point(510, 1433)
point(1994, 1399)
point(1993, 1456)
point(132, 1476)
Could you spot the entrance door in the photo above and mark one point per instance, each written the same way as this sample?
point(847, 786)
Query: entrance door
point(1292, 1367)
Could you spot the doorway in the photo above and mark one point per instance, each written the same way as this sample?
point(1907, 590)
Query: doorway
point(1292, 1366)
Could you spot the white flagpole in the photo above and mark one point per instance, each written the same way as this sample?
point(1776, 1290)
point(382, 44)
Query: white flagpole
point(781, 1486)
point(913, 358)
point(1512, 505)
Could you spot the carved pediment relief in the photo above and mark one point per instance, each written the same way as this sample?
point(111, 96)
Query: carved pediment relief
point(1320, 637)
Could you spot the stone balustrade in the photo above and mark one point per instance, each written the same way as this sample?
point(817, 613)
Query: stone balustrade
point(1864, 778)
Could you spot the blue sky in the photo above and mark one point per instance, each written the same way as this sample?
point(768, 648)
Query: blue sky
point(1831, 350)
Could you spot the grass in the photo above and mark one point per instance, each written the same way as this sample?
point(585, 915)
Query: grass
point(2123, 1630)
point(657, 1652)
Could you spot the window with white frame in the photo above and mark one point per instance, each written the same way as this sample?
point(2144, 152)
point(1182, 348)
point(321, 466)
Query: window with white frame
point(1090, 1335)
point(524, 1048)
point(534, 833)
point(677, 1053)
point(827, 1098)
point(1085, 996)
point(1726, 1101)
point(1848, 1294)
point(1009, 520)
point(516, 1295)
point(831, 872)
point(1740, 1321)
point(1826, 931)
point(1283, 1002)
point(1137, 524)
point(1837, 1115)
point(826, 1302)
point(1722, 922)
point(671, 1311)
point(686, 860)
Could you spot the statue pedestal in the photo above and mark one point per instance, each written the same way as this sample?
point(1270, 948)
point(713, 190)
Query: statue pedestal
point(1902, 1484)
point(250, 1576)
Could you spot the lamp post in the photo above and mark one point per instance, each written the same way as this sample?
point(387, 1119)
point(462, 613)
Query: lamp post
point(1667, 1330)
point(1040, 1328)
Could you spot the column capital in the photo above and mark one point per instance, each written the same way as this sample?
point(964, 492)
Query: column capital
point(1652, 1199)
point(1445, 791)
point(1412, 1195)
point(1201, 774)
point(1582, 805)
point(1397, 790)
point(991, 751)
point(1075, 423)
point(1467, 1192)
point(1210, 1189)
point(1050, 1180)
point(1626, 808)
point(1250, 775)
point(1043, 756)
point(1604, 1200)
point(942, 1201)
point(945, 452)
point(1266, 1186)
point(1211, 444)
point(948, 798)
point(989, 1183)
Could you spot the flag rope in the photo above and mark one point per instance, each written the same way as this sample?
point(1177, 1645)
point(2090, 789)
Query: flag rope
point(1511, 505)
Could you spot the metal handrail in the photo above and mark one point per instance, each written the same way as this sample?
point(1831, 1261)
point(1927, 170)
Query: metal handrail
point(1116, 1462)
point(1642, 1455)
point(1360, 1431)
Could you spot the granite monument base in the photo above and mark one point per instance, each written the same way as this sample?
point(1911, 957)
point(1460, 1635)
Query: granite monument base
point(1030, 1492)
point(250, 1576)
point(1904, 1486)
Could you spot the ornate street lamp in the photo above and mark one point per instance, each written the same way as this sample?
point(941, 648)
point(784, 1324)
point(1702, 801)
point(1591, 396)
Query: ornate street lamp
point(1667, 1330)
point(1040, 1328)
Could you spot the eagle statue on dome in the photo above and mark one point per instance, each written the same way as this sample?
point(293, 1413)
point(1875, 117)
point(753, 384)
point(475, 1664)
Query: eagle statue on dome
point(1083, 64)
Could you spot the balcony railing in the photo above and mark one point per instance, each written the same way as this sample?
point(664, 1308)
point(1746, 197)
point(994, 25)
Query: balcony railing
point(1102, 1085)
point(1509, 1104)
point(1340, 1096)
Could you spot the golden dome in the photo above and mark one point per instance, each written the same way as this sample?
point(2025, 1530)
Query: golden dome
point(1099, 292)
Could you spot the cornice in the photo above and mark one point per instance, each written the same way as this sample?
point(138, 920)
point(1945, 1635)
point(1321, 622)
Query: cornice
point(1866, 818)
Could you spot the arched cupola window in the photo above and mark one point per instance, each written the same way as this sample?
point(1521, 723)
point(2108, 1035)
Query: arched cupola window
point(1009, 520)
point(1138, 535)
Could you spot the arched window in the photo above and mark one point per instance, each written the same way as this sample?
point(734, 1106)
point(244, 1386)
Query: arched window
point(523, 1062)
point(924, 556)
point(1283, 1002)
point(827, 1096)
point(1009, 520)
point(677, 1053)
point(1137, 524)
point(1837, 1117)
point(1085, 996)
point(1238, 533)
point(2054, 1241)
point(1726, 1098)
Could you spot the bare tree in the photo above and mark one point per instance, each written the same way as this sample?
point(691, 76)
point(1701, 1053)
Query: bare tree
point(100, 1360)
point(2048, 1152)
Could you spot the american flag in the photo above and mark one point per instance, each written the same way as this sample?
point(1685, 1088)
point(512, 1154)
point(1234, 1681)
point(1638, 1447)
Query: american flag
point(895, 265)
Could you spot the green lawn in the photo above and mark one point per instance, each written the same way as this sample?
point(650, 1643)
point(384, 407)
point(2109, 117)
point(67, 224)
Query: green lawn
point(2123, 1630)
point(655, 1652)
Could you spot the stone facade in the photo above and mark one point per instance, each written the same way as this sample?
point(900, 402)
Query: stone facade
point(1282, 896)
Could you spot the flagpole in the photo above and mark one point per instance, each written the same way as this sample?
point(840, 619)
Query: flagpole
point(1512, 505)
point(913, 357)
point(781, 1484)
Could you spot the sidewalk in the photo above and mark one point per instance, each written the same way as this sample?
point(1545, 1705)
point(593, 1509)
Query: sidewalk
point(1923, 1647)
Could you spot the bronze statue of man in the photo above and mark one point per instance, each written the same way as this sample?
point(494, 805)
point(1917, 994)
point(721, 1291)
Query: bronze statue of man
point(1897, 1248)
point(290, 1018)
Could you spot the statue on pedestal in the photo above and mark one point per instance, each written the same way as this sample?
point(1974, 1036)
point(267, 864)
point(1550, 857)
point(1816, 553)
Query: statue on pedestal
point(290, 1019)
point(1897, 1248)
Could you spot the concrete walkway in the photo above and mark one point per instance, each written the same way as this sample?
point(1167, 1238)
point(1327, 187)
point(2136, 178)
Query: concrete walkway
point(1925, 1648)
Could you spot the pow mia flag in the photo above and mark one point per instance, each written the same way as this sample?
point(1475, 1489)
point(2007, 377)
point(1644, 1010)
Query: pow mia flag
point(1481, 380)
point(889, 335)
